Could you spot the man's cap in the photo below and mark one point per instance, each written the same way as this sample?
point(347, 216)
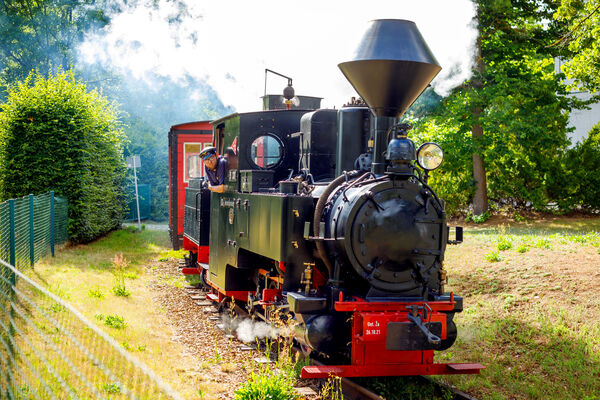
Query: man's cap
point(208, 152)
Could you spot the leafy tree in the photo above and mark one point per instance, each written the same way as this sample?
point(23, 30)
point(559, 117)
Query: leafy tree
point(54, 135)
point(581, 164)
point(43, 34)
point(507, 124)
point(583, 40)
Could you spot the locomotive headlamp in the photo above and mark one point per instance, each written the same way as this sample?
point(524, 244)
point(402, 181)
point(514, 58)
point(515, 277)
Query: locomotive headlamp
point(430, 156)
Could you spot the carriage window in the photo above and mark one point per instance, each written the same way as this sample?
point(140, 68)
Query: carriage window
point(192, 164)
point(266, 151)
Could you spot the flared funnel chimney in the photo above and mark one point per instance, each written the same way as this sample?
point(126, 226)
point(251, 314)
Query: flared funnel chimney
point(391, 66)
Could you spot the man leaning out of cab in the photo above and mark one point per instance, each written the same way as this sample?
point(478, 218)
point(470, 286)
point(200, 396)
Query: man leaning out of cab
point(215, 167)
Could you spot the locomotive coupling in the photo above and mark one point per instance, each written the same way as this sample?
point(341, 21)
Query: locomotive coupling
point(413, 315)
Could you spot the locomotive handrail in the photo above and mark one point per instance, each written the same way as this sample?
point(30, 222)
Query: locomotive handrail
point(196, 208)
point(355, 182)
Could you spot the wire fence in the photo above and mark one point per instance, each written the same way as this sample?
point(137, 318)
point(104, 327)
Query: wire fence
point(30, 227)
point(48, 350)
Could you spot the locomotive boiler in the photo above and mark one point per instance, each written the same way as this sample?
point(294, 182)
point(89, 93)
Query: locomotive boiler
point(327, 220)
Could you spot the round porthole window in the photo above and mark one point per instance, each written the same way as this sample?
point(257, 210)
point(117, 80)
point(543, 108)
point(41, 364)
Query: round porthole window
point(266, 151)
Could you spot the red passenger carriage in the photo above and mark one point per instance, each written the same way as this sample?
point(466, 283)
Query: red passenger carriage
point(185, 143)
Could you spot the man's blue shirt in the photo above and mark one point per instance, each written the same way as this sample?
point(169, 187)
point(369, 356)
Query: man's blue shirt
point(217, 177)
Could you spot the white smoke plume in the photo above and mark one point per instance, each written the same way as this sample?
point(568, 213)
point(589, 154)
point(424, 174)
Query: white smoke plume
point(229, 43)
point(248, 330)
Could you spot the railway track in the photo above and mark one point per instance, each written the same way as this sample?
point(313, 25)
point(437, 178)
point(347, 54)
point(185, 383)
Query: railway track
point(351, 389)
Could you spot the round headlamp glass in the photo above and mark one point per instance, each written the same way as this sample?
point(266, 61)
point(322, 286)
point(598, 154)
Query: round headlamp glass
point(430, 156)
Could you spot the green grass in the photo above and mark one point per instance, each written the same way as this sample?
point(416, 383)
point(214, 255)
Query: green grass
point(531, 314)
point(135, 321)
point(111, 388)
point(493, 256)
point(406, 388)
point(113, 320)
point(267, 384)
point(96, 292)
point(177, 254)
point(536, 358)
point(522, 248)
point(504, 244)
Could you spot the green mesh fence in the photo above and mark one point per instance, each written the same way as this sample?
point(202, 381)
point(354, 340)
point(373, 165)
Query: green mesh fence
point(30, 227)
point(48, 350)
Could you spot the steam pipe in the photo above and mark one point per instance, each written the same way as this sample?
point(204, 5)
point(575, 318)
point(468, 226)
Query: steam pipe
point(380, 127)
point(319, 214)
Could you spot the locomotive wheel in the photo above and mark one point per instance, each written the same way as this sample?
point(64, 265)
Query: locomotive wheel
point(203, 279)
point(451, 333)
point(306, 351)
point(224, 305)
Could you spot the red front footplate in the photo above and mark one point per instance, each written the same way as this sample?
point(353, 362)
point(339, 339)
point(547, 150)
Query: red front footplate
point(190, 271)
point(372, 354)
point(324, 371)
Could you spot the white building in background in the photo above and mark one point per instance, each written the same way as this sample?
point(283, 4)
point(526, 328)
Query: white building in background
point(582, 120)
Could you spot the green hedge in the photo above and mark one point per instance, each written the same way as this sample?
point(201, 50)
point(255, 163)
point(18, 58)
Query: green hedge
point(579, 186)
point(54, 135)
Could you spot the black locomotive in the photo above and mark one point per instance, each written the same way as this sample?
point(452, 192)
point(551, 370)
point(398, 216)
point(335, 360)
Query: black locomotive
point(328, 220)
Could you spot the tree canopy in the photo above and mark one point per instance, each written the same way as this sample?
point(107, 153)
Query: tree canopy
point(512, 114)
point(43, 34)
point(583, 40)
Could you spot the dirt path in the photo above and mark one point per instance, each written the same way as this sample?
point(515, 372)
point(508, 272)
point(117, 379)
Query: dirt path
point(219, 366)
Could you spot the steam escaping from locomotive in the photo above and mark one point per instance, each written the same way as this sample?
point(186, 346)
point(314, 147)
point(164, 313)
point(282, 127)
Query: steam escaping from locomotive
point(248, 330)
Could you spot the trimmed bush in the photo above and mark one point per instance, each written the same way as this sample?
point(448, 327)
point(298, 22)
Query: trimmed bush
point(579, 187)
point(54, 135)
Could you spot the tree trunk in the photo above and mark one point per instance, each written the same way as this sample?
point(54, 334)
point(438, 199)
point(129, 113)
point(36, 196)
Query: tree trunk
point(480, 199)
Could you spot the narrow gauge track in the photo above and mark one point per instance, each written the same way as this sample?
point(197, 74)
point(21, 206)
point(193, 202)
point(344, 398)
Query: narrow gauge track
point(351, 389)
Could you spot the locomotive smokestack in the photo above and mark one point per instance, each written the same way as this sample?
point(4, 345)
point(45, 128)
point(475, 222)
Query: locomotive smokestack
point(391, 67)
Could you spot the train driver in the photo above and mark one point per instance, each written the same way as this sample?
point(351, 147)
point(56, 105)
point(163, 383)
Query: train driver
point(215, 167)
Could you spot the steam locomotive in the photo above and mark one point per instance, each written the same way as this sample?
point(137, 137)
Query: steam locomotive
point(328, 222)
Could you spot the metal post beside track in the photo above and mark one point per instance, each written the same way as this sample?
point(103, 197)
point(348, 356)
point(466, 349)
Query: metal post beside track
point(51, 222)
point(11, 234)
point(31, 235)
